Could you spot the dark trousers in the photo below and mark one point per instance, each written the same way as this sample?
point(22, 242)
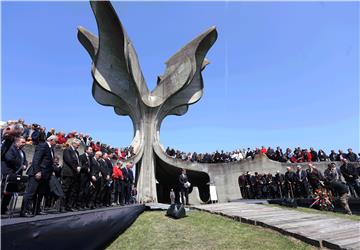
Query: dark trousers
point(91, 196)
point(184, 196)
point(354, 188)
point(119, 190)
point(100, 191)
point(107, 194)
point(84, 190)
point(5, 197)
point(128, 188)
point(302, 189)
point(35, 191)
point(5, 202)
point(70, 185)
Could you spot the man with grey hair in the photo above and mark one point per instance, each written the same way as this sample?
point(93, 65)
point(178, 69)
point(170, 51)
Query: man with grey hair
point(351, 176)
point(102, 176)
point(39, 174)
point(333, 182)
point(301, 183)
point(71, 175)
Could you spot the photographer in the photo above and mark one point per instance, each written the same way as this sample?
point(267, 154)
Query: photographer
point(13, 163)
point(333, 182)
point(351, 177)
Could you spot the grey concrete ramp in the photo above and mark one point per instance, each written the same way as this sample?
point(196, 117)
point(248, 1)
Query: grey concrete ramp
point(316, 229)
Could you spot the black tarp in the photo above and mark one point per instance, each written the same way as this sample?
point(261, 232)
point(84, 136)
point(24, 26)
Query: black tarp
point(92, 229)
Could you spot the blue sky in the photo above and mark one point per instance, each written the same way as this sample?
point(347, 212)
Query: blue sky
point(282, 73)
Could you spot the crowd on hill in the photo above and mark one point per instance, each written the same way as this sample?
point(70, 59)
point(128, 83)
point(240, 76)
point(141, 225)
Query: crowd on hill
point(83, 181)
point(304, 183)
point(297, 156)
point(35, 134)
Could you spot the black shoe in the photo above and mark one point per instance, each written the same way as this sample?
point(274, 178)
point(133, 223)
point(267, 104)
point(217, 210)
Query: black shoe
point(41, 213)
point(69, 209)
point(26, 214)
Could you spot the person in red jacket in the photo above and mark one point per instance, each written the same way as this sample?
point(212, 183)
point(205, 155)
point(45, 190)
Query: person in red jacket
point(119, 185)
point(61, 138)
point(263, 150)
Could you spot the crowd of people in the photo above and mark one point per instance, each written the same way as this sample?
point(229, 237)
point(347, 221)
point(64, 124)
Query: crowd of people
point(303, 183)
point(87, 181)
point(103, 175)
point(297, 156)
point(35, 134)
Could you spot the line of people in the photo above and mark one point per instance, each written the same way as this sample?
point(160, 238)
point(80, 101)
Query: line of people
point(302, 183)
point(90, 180)
point(84, 181)
point(297, 156)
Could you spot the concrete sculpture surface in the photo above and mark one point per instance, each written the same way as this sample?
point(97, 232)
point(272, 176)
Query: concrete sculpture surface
point(119, 82)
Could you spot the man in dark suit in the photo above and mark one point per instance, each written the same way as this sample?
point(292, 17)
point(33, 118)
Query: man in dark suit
point(71, 175)
point(39, 174)
point(105, 187)
point(290, 182)
point(126, 183)
point(183, 189)
point(95, 180)
point(85, 176)
point(13, 163)
point(351, 176)
point(129, 166)
point(109, 186)
point(301, 183)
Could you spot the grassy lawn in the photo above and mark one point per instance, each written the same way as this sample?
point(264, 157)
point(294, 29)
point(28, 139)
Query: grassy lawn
point(315, 211)
point(200, 230)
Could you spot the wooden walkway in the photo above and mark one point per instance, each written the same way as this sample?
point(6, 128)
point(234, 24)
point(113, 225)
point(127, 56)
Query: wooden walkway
point(316, 229)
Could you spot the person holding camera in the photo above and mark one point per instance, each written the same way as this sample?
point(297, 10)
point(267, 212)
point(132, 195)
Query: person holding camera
point(184, 187)
point(13, 163)
point(333, 182)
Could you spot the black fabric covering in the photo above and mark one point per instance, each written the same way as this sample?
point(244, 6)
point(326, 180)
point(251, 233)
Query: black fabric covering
point(93, 229)
point(176, 211)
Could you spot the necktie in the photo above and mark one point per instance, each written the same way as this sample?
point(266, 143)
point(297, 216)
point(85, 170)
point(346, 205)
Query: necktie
point(77, 155)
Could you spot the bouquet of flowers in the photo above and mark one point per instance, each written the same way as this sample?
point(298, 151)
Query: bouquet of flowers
point(323, 198)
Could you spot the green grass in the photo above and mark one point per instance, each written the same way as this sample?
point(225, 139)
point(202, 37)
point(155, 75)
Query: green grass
point(200, 230)
point(316, 211)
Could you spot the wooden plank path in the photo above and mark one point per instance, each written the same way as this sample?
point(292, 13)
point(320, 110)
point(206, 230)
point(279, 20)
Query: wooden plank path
point(316, 229)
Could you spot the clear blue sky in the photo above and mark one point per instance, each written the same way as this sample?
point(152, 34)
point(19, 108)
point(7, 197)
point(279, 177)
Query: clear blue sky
point(281, 73)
